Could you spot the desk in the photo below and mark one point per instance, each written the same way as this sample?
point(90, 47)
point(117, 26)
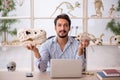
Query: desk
point(38, 76)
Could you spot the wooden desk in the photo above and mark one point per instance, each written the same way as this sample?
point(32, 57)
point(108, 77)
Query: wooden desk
point(38, 76)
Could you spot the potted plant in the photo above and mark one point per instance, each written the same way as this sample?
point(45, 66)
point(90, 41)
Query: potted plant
point(114, 24)
point(7, 6)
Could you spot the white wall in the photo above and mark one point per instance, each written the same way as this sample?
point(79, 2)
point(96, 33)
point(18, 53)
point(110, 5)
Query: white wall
point(101, 57)
point(98, 58)
point(18, 54)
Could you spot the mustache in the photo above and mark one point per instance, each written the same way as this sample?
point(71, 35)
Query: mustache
point(62, 31)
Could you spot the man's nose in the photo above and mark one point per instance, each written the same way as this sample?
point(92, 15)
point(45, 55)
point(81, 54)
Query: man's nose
point(62, 27)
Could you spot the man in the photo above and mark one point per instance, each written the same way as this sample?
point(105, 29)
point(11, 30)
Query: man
point(60, 47)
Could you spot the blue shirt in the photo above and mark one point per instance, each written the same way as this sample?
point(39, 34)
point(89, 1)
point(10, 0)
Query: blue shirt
point(51, 50)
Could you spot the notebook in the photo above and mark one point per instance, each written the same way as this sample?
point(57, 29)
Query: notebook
point(65, 68)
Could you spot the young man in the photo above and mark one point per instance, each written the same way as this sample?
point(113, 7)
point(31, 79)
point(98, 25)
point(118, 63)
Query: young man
point(60, 47)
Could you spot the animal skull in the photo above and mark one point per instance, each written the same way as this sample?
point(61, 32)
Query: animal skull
point(85, 35)
point(11, 66)
point(116, 38)
point(99, 41)
point(37, 36)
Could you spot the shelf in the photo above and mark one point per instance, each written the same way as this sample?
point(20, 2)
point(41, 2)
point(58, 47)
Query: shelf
point(104, 44)
point(91, 44)
point(54, 17)
point(18, 17)
point(103, 18)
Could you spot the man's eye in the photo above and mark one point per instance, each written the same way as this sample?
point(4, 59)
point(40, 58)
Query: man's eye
point(66, 25)
point(59, 25)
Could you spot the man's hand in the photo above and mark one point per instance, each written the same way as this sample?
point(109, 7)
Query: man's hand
point(83, 44)
point(33, 48)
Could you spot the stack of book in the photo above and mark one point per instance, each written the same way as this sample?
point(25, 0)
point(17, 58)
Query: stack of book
point(109, 74)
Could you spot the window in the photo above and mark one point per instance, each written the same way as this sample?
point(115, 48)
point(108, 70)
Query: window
point(41, 13)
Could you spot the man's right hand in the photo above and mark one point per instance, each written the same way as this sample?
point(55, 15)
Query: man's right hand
point(31, 47)
point(35, 50)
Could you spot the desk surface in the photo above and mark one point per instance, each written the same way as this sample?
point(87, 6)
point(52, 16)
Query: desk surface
point(39, 76)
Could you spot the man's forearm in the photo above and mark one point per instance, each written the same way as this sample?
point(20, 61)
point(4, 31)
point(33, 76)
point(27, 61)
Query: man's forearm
point(36, 53)
point(80, 52)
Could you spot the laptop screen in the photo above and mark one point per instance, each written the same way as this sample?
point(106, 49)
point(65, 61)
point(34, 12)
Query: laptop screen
point(65, 68)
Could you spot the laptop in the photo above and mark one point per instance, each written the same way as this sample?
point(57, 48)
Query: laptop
point(65, 68)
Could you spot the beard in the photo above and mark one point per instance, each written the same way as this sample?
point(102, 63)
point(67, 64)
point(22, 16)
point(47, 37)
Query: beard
point(62, 34)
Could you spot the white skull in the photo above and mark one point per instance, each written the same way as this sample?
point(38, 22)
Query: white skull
point(32, 36)
point(99, 41)
point(116, 38)
point(11, 66)
point(85, 35)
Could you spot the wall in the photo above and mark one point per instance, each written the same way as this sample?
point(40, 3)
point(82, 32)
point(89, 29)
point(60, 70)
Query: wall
point(101, 57)
point(98, 58)
point(18, 54)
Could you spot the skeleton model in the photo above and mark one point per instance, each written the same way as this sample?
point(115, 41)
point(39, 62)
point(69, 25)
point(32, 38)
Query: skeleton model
point(11, 66)
point(69, 6)
point(99, 41)
point(85, 35)
point(31, 36)
point(98, 5)
point(116, 38)
point(111, 10)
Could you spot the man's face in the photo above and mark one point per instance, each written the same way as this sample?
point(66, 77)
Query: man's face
point(62, 28)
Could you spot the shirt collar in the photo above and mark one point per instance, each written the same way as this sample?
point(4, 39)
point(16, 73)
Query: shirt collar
point(70, 39)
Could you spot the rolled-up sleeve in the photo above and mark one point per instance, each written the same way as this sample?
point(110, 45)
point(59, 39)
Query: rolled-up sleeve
point(41, 64)
point(43, 61)
point(83, 61)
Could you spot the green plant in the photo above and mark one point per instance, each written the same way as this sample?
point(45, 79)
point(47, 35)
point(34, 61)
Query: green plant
point(114, 25)
point(7, 6)
point(118, 8)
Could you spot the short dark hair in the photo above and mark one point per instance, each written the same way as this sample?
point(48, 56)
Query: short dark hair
point(62, 16)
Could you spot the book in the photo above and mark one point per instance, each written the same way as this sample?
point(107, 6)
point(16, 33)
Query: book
point(111, 72)
point(102, 76)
